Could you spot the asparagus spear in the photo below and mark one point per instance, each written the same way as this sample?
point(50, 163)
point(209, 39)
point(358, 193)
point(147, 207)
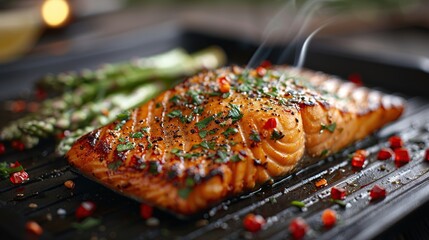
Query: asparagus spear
point(60, 113)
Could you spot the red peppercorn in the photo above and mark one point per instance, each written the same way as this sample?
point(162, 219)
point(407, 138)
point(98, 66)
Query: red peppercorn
point(358, 160)
point(146, 211)
point(261, 71)
point(338, 193)
point(395, 142)
point(298, 228)
point(271, 123)
point(85, 209)
point(384, 154)
point(377, 192)
point(329, 218)
point(2, 148)
point(18, 145)
point(265, 64)
point(253, 223)
point(401, 156)
point(427, 155)
point(19, 177)
point(224, 85)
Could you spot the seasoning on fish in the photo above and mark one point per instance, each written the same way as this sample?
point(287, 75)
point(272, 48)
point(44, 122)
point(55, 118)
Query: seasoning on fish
point(199, 145)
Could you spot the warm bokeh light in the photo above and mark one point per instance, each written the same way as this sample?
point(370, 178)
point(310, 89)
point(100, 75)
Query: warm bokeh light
point(55, 13)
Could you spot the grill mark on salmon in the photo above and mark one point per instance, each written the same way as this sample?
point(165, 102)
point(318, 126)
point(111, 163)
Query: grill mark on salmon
point(187, 161)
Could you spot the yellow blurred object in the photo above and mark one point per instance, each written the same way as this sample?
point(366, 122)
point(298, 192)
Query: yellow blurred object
point(19, 30)
point(55, 13)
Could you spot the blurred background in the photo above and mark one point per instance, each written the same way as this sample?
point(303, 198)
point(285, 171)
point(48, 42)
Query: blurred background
point(58, 27)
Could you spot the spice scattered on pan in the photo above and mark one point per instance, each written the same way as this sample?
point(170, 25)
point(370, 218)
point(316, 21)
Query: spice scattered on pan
point(384, 154)
point(69, 184)
point(359, 158)
point(396, 142)
point(253, 223)
point(85, 209)
point(329, 218)
point(146, 211)
point(401, 156)
point(34, 228)
point(338, 193)
point(377, 192)
point(298, 228)
point(321, 183)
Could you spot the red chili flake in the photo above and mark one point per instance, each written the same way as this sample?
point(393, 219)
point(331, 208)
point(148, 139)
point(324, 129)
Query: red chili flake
point(271, 123)
point(384, 154)
point(427, 155)
point(19, 177)
point(338, 193)
point(358, 160)
point(224, 85)
point(329, 218)
point(85, 209)
point(377, 192)
point(356, 78)
point(395, 142)
point(265, 64)
point(146, 211)
point(40, 94)
point(2, 148)
point(34, 228)
point(401, 156)
point(298, 228)
point(261, 71)
point(253, 223)
point(18, 145)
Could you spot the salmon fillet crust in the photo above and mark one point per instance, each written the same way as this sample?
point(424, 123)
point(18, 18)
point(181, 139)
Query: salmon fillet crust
point(224, 132)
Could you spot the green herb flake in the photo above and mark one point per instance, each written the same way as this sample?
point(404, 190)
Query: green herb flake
point(125, 147)
point(230, 131)
point(184, 192)
point(136, 135)
point(121, 139)
point(331, 127)
point(191, 155)
point(223, 157)
point(203, 133)
point(154, 167)
point(174, 114)
point(203, 123)
point(6, 170)
point(324, 152)
point(339, 202)
point(114, 165)
point(298, 204)
point(189, 182)
point(175, 99)
point(86, 224)
point(145, 129)
point(195, 96)
point(123, 116)
point(234, 113)
point(254, 136)
point(236, 158)
point(207, 145)
point(276, 135)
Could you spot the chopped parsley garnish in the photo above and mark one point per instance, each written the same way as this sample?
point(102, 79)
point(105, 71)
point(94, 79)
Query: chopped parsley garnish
point(276, 135)
point(223, 156)
point(184, 192)
point(203, 133)
point(191, 155)
point(195, 96)
point(226, 95)
point(340, 203)
point(254, 136)
point(207, 145)
point(176, 152)
point(203, 123)
point(6, 170)
point(154, 167)
point(236, 158)
point(145, 129)
point(125, 147)
point(136, 135)
point(198, 110)
point(175, 99)
point(330, 127)
point(122, 139)
point(175, 113)
point(86, 224)
point(123, 116)
point(189, 182)
point(230, 131)
point(158, 105)
point(114, 165)
point(324, 152)
point(234, 113)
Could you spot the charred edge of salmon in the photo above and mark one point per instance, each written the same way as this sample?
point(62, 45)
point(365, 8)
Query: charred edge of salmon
point(306, 121)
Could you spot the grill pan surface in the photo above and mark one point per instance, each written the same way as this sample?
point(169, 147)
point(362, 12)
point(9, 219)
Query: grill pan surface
point(407, 186)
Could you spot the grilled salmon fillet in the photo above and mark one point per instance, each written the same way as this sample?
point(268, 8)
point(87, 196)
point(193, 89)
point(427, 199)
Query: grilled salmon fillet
point(227, 131)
